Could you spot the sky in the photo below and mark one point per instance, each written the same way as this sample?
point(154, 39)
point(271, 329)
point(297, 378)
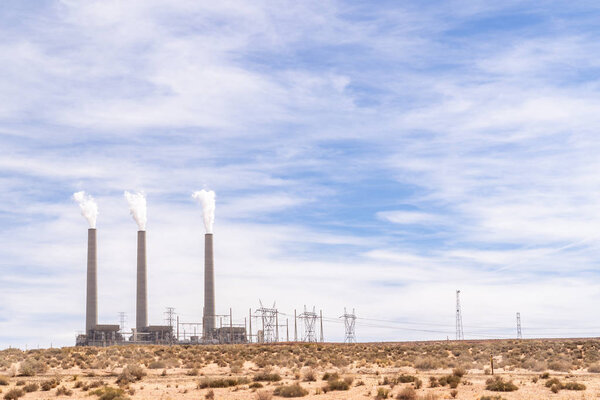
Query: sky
point(376, 156)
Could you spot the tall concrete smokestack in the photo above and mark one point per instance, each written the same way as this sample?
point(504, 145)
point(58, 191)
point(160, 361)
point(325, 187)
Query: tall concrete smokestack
point(209, 287)
point(91, 304)
point(141, 310)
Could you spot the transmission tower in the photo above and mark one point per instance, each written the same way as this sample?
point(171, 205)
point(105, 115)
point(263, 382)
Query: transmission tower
point(170, 316)
point(459, 325)
point(349, 324)
point(309, 321)
point(122, 319)
point(268, 318)
point(519, 333)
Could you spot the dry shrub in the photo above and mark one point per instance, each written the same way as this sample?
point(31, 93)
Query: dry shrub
point(309, 375)
point(157, 365)
point(337, 384)
point(109, 393)
point(4, 381)
point(32, 367)
point(330, 376)
point(14, 394)
point(382, 393)
point(594, 368)
point(450, 380)
point(130, 373)
point(50, 384)
point(221, 382)
point(408, 393)
point(210, 395)
point(63, 391)
point(263, 395)
point(267, 377)
point(31, 387)
point(497, 384)
point(574, 386)
point(562, 366)
point(426, 363)
point(290, 391)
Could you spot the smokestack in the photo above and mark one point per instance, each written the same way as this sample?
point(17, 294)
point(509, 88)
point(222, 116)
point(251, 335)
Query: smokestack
point(91, 305)
point(141, 310)
point(209, 319)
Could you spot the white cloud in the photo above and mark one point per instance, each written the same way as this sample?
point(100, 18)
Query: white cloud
point(408, 217)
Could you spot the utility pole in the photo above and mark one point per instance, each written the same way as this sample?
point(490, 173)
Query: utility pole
point(230, 326)
point(459, 325)
point(250, 323)
point(276, 326)
point(321, 316)
point(519, 333)
point(349, 324)
point(287, 331)
point(295, 327)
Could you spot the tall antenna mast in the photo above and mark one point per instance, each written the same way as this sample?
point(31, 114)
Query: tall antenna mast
point(519, 332)
point(459, 325)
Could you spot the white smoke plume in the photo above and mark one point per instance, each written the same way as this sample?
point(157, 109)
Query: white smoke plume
point(89, 208)
point(207, 199)
point(137, 208)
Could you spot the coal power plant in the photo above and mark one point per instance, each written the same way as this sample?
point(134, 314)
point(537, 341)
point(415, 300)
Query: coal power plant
point(143, 333)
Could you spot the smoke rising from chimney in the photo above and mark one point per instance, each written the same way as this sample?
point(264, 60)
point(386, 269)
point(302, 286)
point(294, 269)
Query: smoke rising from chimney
point(137, 208)
point(89, 208)
point(207, 200)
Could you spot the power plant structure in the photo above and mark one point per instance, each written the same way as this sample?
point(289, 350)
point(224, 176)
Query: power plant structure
point(95, 334)
point(213, 329)
point(143, 333)
point(208, 313)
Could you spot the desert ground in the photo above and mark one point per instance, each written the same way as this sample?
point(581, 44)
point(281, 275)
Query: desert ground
point(523, 369)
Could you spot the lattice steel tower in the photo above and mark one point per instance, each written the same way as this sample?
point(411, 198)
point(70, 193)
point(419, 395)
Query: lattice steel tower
point(519, 333)
point(309, 319)
point(268, 318)
point(349, 324)
point(459, 325)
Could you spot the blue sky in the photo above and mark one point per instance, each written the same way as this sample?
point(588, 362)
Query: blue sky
point(375, 156)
